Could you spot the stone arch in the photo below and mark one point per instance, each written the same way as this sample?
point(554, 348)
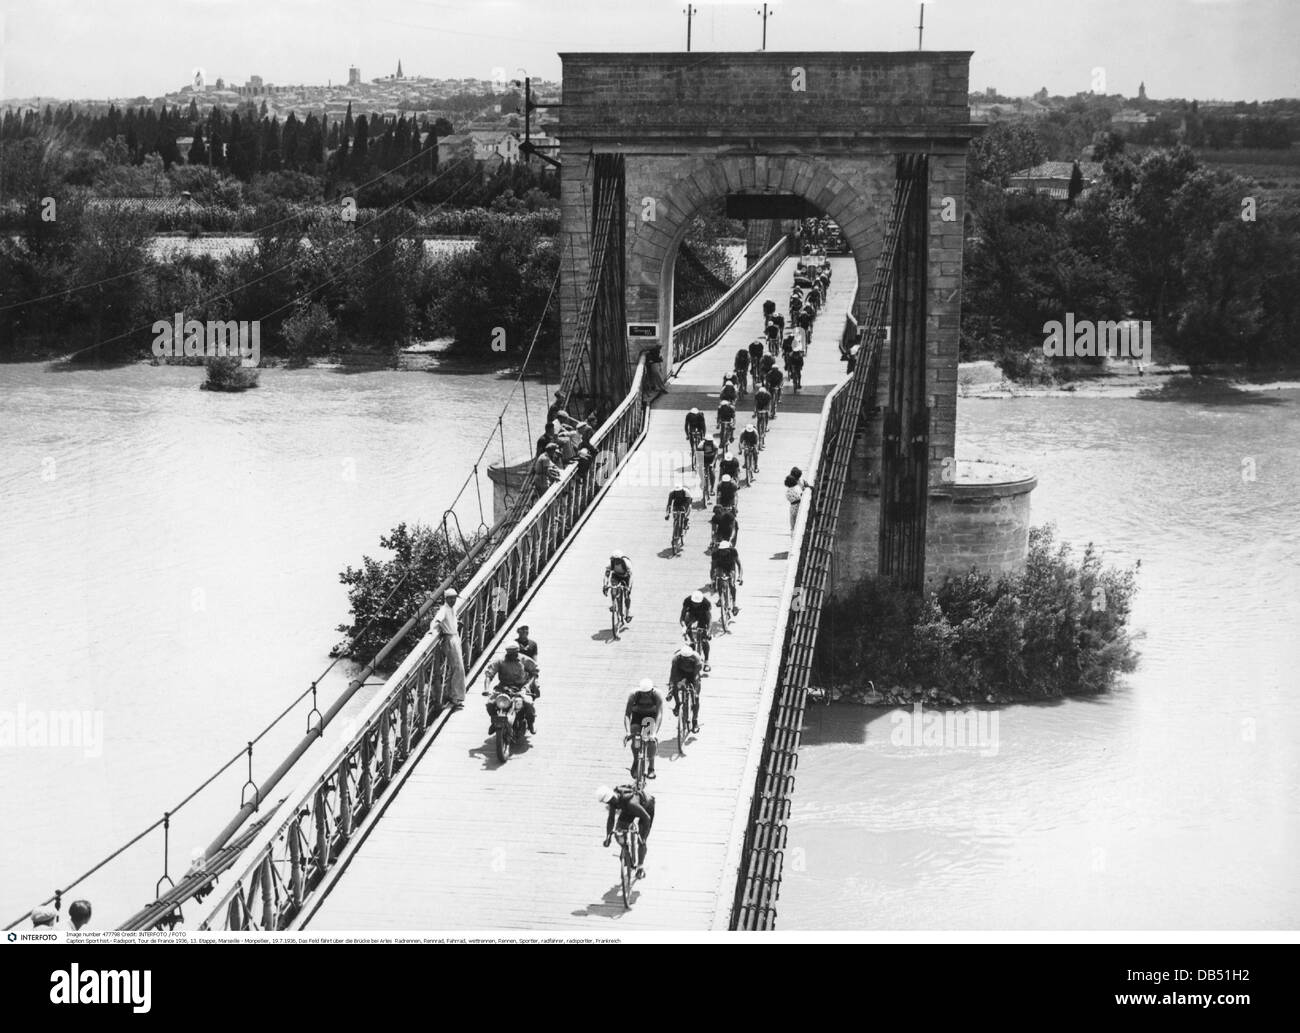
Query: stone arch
point(653, 246)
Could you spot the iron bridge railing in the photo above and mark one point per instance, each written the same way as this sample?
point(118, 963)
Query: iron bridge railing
point(697, 333)
point(278, 882)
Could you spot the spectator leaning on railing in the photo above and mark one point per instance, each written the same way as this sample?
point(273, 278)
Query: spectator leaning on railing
point(794, 489)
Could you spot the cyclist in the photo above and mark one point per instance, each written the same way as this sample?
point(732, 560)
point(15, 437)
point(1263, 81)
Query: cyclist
point(756, 347)
point(795, 368)
point(728, 393)
point(727, 489)
point(697, 612)
point(726, 528)
point(726, 563)
point(709, 454)
point(726, 421)
point(730, 466)
point(624, 804)
point(645, 701)
point(773, 336)
point(769, 309)
point(765, 366)
point(696, 426)
point(685, 670)
point(742, 368)
point(806, 325)
point(516, 673)
point(749, 445)
point(762, 407)
point(774, 380)
point(679, 501)
point(619, 572)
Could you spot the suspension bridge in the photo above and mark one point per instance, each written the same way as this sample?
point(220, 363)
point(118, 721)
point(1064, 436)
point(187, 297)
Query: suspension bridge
point(410, 822)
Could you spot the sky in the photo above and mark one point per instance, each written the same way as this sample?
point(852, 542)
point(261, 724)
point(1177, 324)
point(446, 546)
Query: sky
point(1207, 49)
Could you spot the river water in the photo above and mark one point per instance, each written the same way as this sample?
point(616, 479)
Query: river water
point(1173, 802)
point(169, 564)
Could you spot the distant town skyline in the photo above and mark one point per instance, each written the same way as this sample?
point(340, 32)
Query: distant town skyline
point(1206, 49)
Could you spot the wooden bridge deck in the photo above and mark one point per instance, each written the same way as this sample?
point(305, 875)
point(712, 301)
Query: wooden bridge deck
point(471, 844)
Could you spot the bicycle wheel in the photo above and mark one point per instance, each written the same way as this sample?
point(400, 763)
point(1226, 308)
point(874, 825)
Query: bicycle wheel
point(723, 613)
point(613, 611)
point(683, 724)
point(626, 867)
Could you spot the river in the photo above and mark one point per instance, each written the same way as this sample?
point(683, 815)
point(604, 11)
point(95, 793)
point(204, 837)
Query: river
point(1172, 802)
point(170, 563)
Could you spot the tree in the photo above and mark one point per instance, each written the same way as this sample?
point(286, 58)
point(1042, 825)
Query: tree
point(1076, 183)
point(198, 152)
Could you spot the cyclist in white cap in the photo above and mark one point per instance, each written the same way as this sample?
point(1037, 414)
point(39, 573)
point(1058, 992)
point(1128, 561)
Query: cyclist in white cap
point(696, 427)
point(645, 702)
point(697, 611)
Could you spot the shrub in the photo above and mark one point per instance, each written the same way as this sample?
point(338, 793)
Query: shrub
point(309, 331)
point(226, 373)
point(384, 594)
point(1057, 629)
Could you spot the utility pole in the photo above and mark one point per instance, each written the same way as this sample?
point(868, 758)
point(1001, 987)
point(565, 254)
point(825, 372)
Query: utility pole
point(527, 148)
point(691, 12)
point(766, 15)
point(920, 28)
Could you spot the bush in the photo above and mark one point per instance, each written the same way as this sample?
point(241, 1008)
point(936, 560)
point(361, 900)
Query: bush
point(384, 594)
point(226, 373)
point(1057, 629)
point(309, 331)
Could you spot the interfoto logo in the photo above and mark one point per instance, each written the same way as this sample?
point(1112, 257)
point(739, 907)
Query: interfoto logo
point(946, 730)
point(56, 729)
point(1086, 339)
point(194, 339)
point(117, 986)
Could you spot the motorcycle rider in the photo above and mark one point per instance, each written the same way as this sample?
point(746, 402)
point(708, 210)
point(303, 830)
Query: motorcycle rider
point(514, 673)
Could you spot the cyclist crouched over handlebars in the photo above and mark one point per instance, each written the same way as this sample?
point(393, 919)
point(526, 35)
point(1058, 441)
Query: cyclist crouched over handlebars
point(697, 612)
point(619, 572)
point(726, 564)
point(515, 673)
point(625, 804)
point(687, 666)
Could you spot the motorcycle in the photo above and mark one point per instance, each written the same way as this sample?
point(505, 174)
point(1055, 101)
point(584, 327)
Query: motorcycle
point(509, 724)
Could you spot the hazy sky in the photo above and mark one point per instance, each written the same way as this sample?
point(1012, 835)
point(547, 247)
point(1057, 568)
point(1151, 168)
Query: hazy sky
point(1227, 49)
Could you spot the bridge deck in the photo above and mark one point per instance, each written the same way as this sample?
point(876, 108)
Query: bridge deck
point(471, 844)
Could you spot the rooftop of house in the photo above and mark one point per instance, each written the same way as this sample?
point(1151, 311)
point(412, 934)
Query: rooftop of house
point(1090, 170)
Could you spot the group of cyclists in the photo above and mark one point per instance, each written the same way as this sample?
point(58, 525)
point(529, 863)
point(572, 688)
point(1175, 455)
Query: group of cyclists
point(719, 468)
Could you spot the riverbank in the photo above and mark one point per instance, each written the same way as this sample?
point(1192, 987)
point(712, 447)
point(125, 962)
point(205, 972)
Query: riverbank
point(984, 379)
point(888, 698)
